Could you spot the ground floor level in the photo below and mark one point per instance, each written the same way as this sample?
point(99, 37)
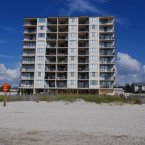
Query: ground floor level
point(101, 91)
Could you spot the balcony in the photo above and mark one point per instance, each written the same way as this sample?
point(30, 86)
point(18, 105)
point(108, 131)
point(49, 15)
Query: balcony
point(28, 54)
point(50, 67)
point(84, 20)
point(107, 62)
point(62, 43)
point(62, 61)
point(106, 45)
point(61, 78)
point(62, 21)
point(107, 78)
point(52, 28)
point(106, 37)
point(62, 36)
point(83, 43)
point(51, 21)
point(50, 84)
point(51, 44)
point(83, 84)
point(28, 62)
point(83, 76)
point(107, 52)
point(61, 84)
point(30, 31)
point(106, 22)
point(27, 70)
point(83, 60)
point(27, 85)
point(61, 68)
point(83, 28)
point(83, 68)
point(106, 30)
point(27, 78)
point(30, 23)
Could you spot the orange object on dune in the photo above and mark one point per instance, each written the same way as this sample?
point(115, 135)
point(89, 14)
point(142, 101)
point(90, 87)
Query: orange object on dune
point(5, 87)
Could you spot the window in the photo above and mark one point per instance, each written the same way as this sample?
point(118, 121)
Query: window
point(72, 74)
point(93, 34)
point(93, 66)
point(73, 27)
point(93, 82)
point(41, 28)
point(41, 35)
point(73, 35)
point(41, 43)
point(31, 44)
point(41, 20)
point(73, 42)
point(93, 74)
point(93, 26)
point(40, 66)
point(72, 66)
point(73, 19)
point(93, 42)
point(93, 58)
point(72, 82)
point(40, 58)
point(39, 82)
point(40, 50)
point(93, 19)
point(72, 50)
point(39, 74)
point(93, 50)
point(72, 58)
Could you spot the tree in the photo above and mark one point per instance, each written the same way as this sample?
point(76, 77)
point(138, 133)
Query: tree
point(128, 88)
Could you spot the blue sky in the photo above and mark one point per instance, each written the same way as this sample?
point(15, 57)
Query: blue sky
point(129, 31)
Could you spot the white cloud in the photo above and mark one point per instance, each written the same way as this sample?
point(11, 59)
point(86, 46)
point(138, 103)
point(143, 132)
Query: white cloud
point(129, 70)
point(9, 75)
point(82, 6)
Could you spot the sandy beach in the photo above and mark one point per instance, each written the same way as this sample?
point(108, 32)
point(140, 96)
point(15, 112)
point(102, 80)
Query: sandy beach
point(78, 123)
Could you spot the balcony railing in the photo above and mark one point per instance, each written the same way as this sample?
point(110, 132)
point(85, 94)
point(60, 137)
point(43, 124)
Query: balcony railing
point(27, 70)
point(29, 46)
point(26, 85)
point(106, 62)
point(28, 62)
point(28, 31)
point(50, 69)
point(27, 78)
point(28, 54)
point(107, 86)
point(30, 23)
point(107, 78)
point(105, 46)
point(61, 78)
point(106, 30)
point(107, 70)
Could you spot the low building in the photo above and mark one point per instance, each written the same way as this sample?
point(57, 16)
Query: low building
point(119, 91)
point(139, 87)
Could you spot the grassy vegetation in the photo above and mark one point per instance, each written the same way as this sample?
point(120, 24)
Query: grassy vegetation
point(71, 98)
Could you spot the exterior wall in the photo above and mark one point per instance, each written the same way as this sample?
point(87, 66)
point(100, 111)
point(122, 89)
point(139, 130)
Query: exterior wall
point(94, 36)
point(93, 44)
point(40, 44)
point(71, 38)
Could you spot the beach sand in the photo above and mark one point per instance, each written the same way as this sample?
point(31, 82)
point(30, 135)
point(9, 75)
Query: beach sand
point(78, 123)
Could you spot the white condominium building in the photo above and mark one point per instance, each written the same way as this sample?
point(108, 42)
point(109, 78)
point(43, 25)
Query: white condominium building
point(68, 55)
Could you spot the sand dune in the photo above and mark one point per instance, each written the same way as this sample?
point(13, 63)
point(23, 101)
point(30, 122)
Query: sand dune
point(79, 123)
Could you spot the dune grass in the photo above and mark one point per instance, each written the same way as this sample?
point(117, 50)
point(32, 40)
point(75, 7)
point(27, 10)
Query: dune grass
point(72, 98)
